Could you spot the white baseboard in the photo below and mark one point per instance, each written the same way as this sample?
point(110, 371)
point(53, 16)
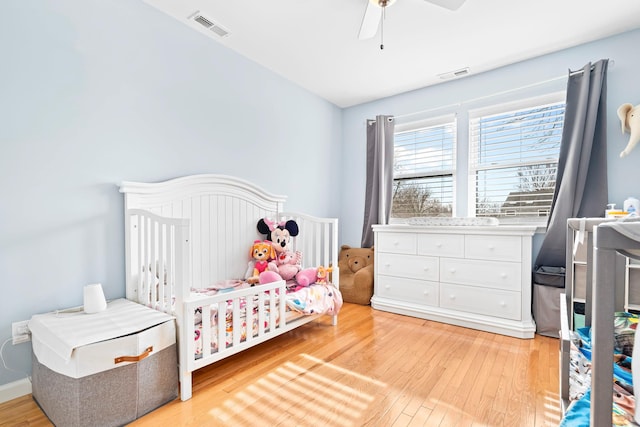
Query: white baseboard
point(14, 390)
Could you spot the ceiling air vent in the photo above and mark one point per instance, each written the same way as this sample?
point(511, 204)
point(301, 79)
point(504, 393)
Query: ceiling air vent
point(209, 24)
point(453, 74)
point(203, 21)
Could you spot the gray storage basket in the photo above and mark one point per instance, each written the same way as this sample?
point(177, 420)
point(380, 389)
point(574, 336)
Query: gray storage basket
point(548, 284)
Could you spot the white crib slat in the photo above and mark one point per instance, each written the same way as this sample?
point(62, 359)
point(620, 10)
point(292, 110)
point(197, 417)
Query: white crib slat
point(205, 242)
point(249, 316)
point(221, 327)
point(236, 322)
point(154, 262)
point(261, 314)
point(162, 230)
point(140, 271)
point(186, 335)
point(326, 260)
point(282, 305)
point(273, 310)
point(206, 330)
point(147, 262)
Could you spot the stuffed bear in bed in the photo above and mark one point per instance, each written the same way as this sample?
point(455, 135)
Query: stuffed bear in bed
point(356, 274)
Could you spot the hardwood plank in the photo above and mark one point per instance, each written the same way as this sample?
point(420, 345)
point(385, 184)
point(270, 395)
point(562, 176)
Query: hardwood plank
point(372, 369)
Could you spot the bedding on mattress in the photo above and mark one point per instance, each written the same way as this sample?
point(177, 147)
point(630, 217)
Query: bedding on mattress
point(578, 412)
point(314, 299)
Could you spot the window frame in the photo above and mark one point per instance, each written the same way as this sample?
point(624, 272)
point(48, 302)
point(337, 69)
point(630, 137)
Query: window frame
point(449, 119)
point(507, 107)
point(462, 114)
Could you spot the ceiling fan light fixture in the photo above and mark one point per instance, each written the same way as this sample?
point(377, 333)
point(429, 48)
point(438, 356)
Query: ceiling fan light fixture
point(382, 3)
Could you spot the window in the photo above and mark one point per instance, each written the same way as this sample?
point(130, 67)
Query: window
point(423, 168)
point(513, 158)
point(509, 158)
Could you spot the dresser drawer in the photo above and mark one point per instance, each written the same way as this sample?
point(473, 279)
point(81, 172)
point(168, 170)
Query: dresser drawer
point(411, 266)
point(489, 302)
point(491, 274)
point(408, 290)
point(451, 245)
point(398, 243)
point(503, 248)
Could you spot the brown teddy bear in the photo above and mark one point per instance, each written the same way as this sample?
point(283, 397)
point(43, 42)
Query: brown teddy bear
point(356, 274)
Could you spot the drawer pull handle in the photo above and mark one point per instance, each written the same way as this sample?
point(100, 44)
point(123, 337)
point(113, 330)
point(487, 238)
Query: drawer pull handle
point(453, 270)
point(426, 269)
point(387, 265)
point(387, 286)
point(503, 275)
point(137, 358)
point(491, 247)
point(502, 304)
point(452, 296)
point(395, 243)
point(438, 245)
point(426, 292)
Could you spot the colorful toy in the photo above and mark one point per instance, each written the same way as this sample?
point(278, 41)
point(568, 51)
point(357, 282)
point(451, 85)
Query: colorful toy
point(286, 264)
point(261, 253)
point(279, 234)
point(323, 274)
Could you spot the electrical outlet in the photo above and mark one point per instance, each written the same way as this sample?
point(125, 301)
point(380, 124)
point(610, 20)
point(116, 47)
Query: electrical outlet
point(20, 332)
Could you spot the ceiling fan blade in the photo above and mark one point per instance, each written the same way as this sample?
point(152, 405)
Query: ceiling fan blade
point(448, 4)
point(370, 21)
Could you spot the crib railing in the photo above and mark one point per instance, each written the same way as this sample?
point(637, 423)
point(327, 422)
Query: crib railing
point(157, 259)
point(243, 318)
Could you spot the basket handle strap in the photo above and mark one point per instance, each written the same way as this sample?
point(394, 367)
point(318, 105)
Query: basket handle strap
point(137, 358)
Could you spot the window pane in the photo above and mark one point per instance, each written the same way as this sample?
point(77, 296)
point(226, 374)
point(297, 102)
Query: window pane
point(423, 151)
point(432, 196)
point(424, 162)
point(516, 191)
point(514, 160)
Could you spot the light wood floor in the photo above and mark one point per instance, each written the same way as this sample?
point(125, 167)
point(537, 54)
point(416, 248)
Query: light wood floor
point(373, 369)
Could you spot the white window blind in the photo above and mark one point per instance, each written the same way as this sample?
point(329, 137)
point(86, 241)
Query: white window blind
point(514, 158)
point(424, 166)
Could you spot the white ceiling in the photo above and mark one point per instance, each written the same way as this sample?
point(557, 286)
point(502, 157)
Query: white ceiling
point(314, 43)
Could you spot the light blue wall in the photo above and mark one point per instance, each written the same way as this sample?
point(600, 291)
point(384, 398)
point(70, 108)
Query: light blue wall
point(495, 87)
point(95, 92)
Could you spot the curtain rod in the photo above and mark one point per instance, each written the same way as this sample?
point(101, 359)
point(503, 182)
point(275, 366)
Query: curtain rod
point(610, 64)
point(504, 92)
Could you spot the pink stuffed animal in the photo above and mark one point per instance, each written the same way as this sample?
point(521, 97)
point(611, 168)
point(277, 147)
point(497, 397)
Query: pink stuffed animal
point(286, 264)
point(307, 277)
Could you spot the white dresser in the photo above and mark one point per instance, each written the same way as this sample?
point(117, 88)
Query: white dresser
point(473, 276)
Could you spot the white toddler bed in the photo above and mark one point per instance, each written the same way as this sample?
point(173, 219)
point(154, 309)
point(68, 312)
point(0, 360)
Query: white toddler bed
point(188, 235)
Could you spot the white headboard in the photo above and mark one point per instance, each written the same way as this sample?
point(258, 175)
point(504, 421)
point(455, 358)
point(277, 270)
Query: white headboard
point(222, 211)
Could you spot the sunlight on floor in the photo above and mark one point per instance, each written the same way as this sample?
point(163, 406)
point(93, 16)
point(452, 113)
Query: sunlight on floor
point(340, 397)
point(552, 414)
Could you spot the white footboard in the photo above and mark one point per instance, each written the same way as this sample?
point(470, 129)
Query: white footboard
point(237, 320)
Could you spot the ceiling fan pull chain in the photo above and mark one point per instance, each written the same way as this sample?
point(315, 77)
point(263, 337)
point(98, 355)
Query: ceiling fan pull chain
point(384, 15)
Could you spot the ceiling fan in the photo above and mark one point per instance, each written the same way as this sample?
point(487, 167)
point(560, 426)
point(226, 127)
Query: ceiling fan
point(375, 9)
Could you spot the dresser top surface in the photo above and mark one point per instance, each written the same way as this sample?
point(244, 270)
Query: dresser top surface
point(522, 230)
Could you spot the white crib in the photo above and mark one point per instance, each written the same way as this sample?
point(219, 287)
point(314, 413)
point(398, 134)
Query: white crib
point(195, 231)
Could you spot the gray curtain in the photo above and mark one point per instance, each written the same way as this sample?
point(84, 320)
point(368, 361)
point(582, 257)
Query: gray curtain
point(379, 175)
point(581, 184)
